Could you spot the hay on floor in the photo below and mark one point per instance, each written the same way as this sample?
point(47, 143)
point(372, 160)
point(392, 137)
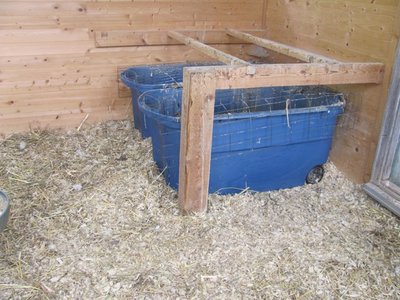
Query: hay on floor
point(92, 217)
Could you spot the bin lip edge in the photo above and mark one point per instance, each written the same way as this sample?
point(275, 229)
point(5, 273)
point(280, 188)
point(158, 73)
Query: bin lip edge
point(128, 82)
point(247, 115)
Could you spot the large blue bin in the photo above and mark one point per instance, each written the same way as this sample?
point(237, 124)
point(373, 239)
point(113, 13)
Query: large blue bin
point(141, 79)
point(263, 139)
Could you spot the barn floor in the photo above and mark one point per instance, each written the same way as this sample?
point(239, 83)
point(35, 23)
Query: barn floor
point(92, 218)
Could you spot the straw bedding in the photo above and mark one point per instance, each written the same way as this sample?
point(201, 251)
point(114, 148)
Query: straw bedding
point(91, 217)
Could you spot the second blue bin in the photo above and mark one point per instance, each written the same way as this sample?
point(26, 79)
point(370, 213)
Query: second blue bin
point(142, 79)
point(263, 139)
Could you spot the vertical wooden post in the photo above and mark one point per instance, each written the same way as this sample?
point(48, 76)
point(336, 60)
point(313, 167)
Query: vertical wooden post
point(196, 139)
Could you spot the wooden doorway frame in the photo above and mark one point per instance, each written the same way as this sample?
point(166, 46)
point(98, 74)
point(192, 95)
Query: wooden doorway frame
point(380, 187)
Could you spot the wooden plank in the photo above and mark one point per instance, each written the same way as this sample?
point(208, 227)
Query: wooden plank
point(43, 35)
point(281, 48)
point(45, 8)
point(30, 48)
point(62, 120)
point(123, 38)
point(123, 22)
point(254, 76)
point(200, 84)
point(66, 102)
point(167, 15)
point(115, 56)
point(133, 15)
point(196, 138)
point(210, 51)
point(340, 43)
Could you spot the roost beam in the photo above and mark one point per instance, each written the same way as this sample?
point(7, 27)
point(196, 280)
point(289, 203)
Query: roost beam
point(254, 76)
point(200, 84)
point(210, 51)
point(281, 48)
point(129, 38)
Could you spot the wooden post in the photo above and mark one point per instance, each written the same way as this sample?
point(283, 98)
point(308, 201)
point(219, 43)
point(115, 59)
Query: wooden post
point(196, 139)
point(280, 48)
point(210, 51)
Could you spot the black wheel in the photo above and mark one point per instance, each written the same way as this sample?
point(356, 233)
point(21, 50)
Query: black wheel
point(315, 175)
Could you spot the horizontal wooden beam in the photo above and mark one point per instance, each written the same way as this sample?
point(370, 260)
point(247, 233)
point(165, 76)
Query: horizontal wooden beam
point(254, 76)
point(200, 84)
point(281, 48)
point(129, 38)
point(210, 51)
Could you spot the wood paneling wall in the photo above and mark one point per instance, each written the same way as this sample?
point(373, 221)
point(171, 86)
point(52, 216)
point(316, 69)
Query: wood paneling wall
point(52, 74)
point(348, 30)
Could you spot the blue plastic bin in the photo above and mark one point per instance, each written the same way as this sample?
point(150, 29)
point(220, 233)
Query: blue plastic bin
point(263, 139)
point(142, 79)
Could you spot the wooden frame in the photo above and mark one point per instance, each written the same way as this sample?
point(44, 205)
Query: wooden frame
point(200, 84)
point(210, 51)
point(281, 48)
point(129, 38)
point(380, 187)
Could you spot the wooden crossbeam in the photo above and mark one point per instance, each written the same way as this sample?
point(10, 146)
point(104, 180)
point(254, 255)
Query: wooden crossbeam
point(281, 48)
point(210, 51)
point(200, 84)
point(129, 38)
point(254, 76)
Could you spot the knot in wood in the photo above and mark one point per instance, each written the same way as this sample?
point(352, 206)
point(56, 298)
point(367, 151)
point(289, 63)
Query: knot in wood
point(251, 70)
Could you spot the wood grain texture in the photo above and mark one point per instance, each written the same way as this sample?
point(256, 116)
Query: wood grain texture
point(346, 30)
point(196, 139)
point(207, 50)
point(296, 74)
point(52, 73)
point(281, 48)
point(124, 38)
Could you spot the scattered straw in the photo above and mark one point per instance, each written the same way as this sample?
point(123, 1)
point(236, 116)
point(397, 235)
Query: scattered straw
point(119, 235)
point(83, 122)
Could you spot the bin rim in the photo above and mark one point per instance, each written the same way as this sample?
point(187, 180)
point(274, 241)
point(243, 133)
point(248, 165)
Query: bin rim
point(178, 84)
point(134, 84)
point(339, 106)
